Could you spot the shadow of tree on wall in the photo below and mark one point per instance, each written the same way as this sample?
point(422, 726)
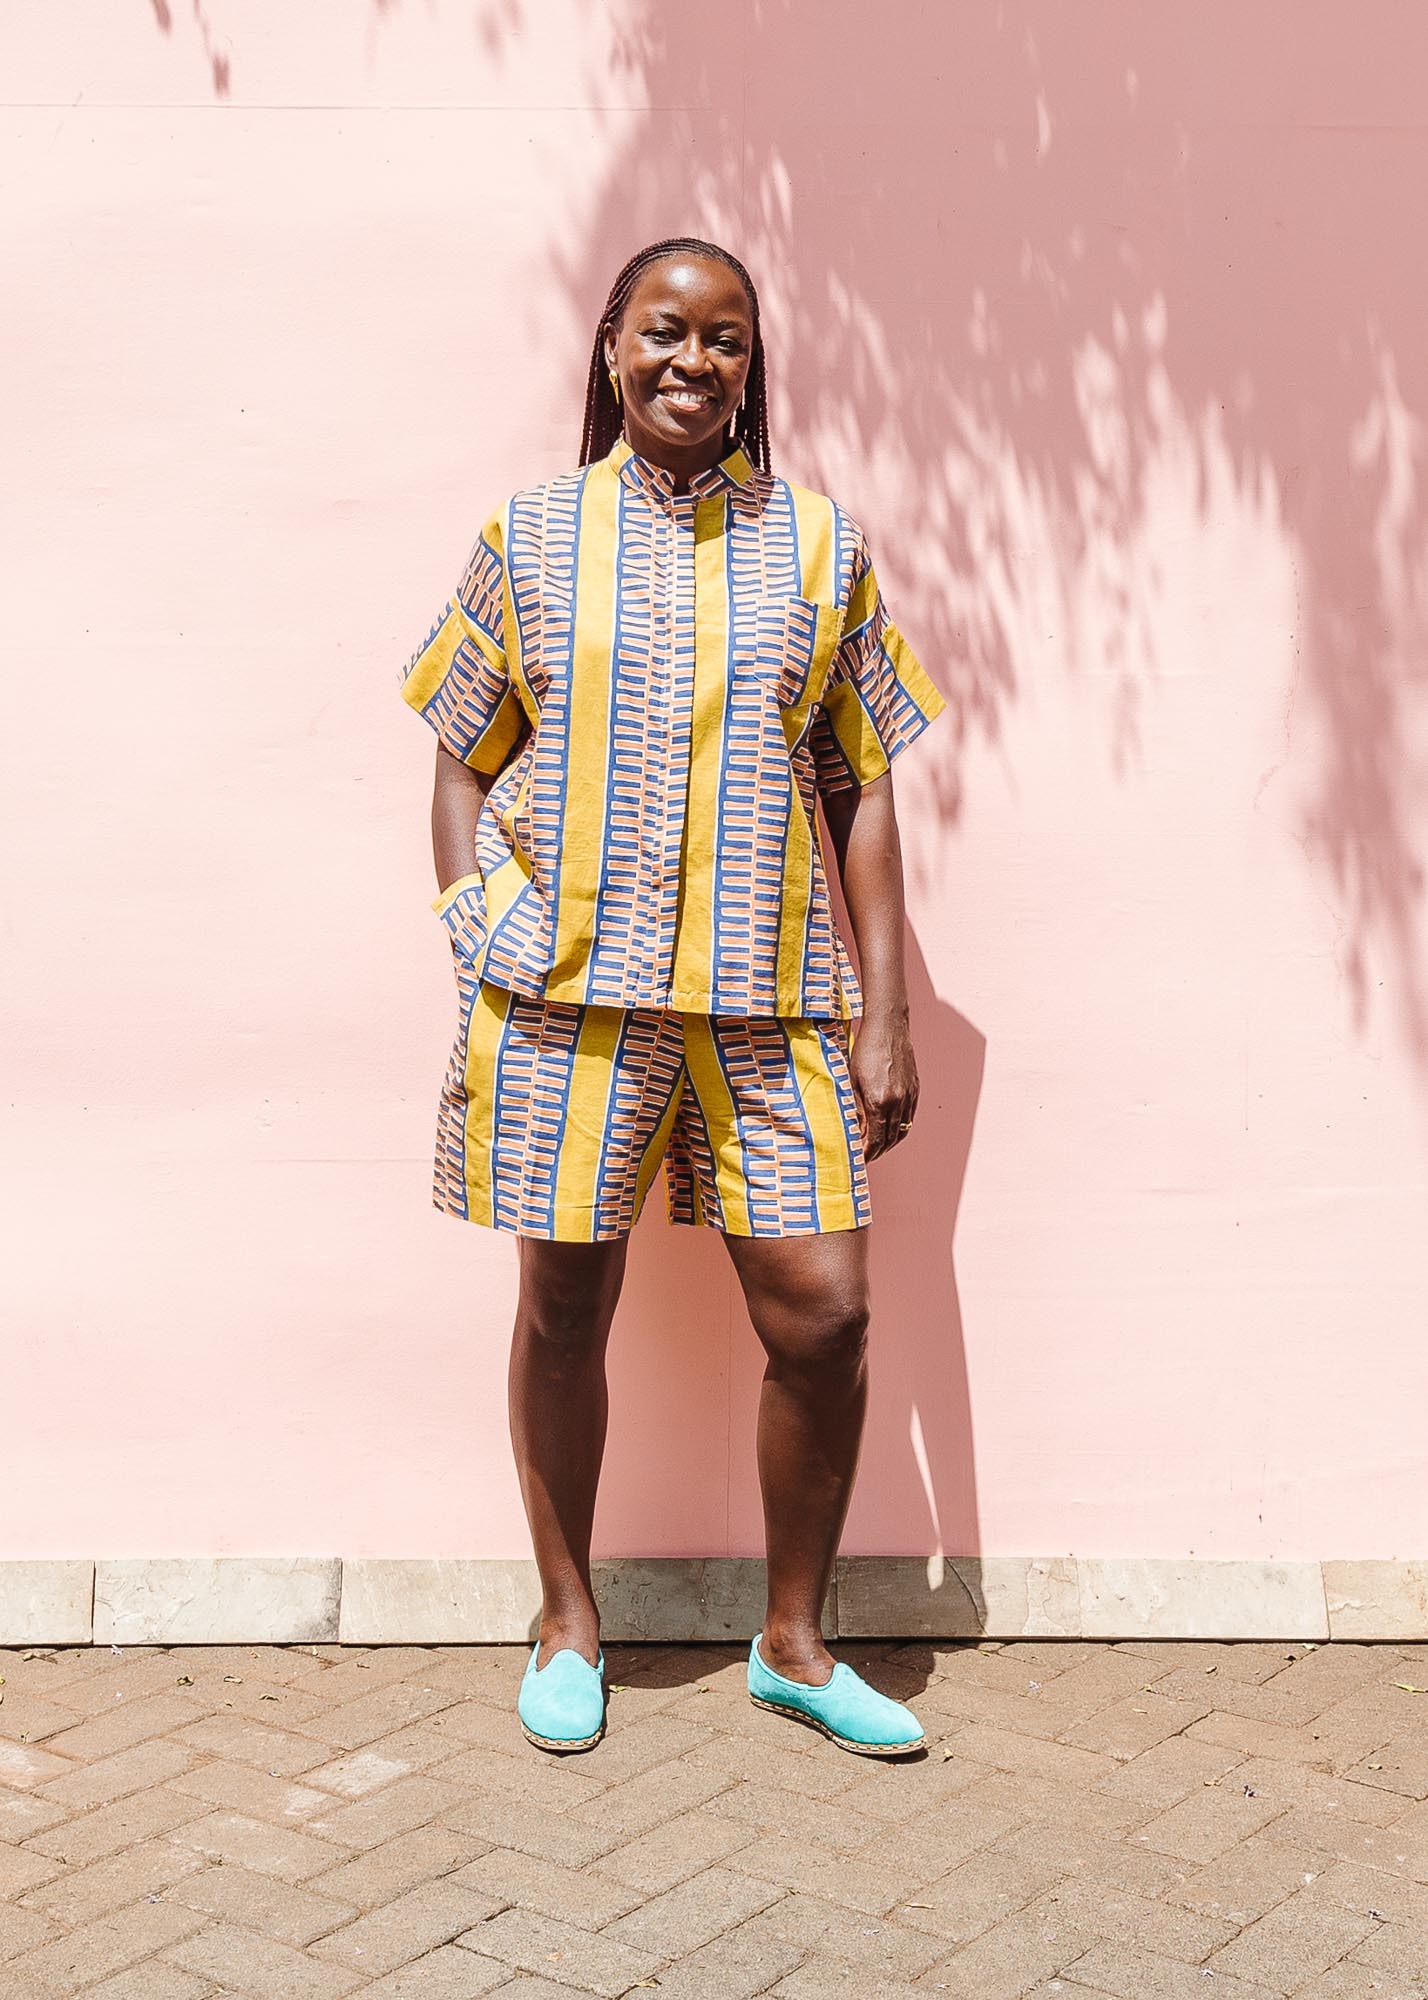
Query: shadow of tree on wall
point(219, 63)
point(1019, 275)
point(1047, 298)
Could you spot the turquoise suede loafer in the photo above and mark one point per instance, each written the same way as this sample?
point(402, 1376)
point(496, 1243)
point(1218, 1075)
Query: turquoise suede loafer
point(561, 1706)
point(855, 1715)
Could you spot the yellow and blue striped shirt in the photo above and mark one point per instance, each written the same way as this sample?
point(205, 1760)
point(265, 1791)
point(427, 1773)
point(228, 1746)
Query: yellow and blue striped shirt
point(664, 683)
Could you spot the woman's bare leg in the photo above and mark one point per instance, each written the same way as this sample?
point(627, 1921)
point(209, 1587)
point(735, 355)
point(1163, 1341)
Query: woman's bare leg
point(558, 1408)
point(808, 1299)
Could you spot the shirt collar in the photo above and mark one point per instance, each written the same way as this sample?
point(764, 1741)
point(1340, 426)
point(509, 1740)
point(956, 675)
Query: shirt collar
point(735, 470)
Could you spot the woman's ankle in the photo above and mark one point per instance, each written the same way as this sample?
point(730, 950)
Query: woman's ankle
point(574, 1626)
point(795, 1648)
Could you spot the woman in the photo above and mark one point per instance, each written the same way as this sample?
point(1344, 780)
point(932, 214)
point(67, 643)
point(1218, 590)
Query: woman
point(651, 671)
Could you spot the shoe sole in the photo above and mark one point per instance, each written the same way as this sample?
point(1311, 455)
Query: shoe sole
point(559, 1743)
point(843, 1742)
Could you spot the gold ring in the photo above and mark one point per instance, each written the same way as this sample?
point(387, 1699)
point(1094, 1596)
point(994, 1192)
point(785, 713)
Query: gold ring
point(906, 1125)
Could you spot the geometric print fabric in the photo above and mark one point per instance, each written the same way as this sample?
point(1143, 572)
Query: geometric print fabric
point(555, 1118)
point(662, 685)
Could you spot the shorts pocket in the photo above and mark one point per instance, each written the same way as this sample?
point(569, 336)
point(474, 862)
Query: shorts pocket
point(462, 909)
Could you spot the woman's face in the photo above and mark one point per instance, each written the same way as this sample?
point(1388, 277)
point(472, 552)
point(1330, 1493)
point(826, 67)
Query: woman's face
point(682, 353)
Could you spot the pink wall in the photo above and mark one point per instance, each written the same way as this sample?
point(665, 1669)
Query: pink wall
point(1108, 324)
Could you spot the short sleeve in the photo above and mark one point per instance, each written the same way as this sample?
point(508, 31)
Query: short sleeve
point(457, 679)
point(877, 699)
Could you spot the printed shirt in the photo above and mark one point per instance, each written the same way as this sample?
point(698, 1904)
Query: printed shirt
point(664, 683)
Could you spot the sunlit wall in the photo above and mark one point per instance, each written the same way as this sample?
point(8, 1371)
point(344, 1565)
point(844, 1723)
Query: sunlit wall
point(1107, 323)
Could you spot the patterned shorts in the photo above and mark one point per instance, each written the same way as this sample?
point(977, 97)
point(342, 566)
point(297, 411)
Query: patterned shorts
point(555, 1119)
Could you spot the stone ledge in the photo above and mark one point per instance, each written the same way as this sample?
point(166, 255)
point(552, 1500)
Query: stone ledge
point(1078, 1597)
point(216, 1600)
point(1377, 1600)
point(46, 1603)
point(371, 1601)
point(474, 1599)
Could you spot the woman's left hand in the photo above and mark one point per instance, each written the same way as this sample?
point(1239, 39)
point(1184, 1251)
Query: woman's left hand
point(884, 1072)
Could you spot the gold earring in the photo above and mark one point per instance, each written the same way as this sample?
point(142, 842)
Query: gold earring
point(615, 384)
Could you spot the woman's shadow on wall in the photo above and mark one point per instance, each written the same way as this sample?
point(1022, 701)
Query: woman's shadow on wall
point(685, 1364)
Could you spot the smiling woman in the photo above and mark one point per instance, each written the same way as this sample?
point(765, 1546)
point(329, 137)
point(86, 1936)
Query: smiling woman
point(652, 674)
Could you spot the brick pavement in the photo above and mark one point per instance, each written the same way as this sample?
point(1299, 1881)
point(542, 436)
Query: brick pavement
point(1246, 1821)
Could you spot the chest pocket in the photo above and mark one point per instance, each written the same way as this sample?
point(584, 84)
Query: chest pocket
point(790, 646)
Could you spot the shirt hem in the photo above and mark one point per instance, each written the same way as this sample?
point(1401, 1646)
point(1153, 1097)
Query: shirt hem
point(571, 994)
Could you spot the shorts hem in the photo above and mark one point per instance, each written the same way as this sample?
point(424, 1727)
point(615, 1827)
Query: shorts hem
point(503, 1228)
point(769, 1235)
point(559, 1234)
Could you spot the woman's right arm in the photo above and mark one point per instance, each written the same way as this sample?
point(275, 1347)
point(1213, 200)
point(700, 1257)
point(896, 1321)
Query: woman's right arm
point(458, 795)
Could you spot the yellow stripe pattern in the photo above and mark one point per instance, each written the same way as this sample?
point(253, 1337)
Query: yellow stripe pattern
point(555, 1120)
point(662, 684)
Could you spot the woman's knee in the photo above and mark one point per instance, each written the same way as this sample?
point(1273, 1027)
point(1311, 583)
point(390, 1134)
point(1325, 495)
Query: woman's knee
point(825, 1330)
point(568, 1295)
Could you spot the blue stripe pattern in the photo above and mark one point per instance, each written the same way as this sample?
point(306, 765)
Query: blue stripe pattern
point(811, 704)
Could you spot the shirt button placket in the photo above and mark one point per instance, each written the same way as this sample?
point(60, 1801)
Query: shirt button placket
point(658, 745)
point(679, 716)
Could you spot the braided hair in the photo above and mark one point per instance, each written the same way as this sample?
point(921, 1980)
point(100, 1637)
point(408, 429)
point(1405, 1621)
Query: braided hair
point(603, 421)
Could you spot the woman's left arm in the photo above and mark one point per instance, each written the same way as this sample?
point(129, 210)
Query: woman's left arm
point(862, 821)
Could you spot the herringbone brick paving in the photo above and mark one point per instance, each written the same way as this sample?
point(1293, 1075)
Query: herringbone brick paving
point(1143, 1821)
